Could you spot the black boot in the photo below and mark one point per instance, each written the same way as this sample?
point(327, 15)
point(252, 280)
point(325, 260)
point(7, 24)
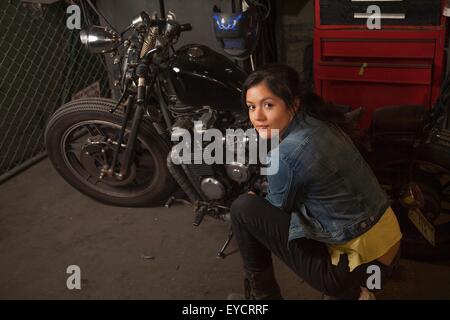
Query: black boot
point(260, 285)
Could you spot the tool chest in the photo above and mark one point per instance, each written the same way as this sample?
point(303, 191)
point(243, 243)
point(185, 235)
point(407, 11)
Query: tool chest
point(401, 63)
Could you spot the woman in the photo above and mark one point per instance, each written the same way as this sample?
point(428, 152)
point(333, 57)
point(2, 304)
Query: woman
point(325, 214)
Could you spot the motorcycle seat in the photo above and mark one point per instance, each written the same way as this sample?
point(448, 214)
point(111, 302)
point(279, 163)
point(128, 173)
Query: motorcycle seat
point(398, 119)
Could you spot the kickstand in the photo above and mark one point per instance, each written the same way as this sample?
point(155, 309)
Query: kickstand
point(222, 253)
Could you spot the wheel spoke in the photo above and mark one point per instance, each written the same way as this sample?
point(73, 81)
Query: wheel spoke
point(75, 147)
point(95, 129)
point(92, 179)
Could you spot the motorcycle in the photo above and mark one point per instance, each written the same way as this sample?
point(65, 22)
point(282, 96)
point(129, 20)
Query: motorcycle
point(118, 152)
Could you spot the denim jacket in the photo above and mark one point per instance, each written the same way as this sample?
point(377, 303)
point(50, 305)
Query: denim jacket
point(324, 183)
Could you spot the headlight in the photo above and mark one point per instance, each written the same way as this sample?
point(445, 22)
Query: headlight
point(99, 39)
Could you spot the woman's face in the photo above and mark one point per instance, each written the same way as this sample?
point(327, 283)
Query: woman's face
point(267, 111)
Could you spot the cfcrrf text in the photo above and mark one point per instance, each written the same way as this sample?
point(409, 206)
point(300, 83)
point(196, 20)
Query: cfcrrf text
point(247, 309)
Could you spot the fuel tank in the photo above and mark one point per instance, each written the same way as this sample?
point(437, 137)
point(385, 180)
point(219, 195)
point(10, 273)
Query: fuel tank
point(199, 76)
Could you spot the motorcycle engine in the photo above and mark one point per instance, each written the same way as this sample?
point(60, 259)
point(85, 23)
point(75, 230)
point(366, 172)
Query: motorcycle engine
point(216, 181)
point(238, 172)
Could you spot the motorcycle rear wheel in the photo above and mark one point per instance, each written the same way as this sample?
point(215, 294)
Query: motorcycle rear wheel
point(414, 244)
point(80, 138)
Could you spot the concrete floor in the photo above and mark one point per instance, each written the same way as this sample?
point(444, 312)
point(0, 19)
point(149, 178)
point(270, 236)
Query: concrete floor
point(125, 253)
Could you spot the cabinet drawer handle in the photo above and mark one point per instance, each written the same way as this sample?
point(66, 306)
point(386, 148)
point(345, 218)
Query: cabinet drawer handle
point(398, 16)
point(362, 69)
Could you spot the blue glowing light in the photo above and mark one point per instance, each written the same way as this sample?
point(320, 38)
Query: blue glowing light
point(227, 24)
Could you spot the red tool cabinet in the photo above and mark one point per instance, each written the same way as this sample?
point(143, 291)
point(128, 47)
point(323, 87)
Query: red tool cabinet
point(401, 63)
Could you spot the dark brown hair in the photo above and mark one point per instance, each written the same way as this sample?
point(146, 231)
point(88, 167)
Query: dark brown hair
point(285, 83)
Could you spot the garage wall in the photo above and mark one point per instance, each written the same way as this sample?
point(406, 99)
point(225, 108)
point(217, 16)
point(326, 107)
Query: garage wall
point(296, 32)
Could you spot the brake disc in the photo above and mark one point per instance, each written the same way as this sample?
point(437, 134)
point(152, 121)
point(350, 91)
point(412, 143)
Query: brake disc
point(96, 156)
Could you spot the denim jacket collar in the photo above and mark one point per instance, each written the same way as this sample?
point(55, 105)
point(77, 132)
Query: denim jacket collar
point(297, 121)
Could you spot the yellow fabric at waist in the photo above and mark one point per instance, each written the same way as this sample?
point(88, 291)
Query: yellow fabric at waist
point(371, 245)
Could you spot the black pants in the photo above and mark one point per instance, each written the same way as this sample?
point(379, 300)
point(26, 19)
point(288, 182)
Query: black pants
point(261, 229)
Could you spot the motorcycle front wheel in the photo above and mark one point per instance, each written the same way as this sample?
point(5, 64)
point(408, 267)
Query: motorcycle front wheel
point(81, 137)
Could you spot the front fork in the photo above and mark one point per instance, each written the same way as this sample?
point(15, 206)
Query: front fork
point(141, 72)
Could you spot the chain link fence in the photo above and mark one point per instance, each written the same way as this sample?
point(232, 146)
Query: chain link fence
point(42, 66)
